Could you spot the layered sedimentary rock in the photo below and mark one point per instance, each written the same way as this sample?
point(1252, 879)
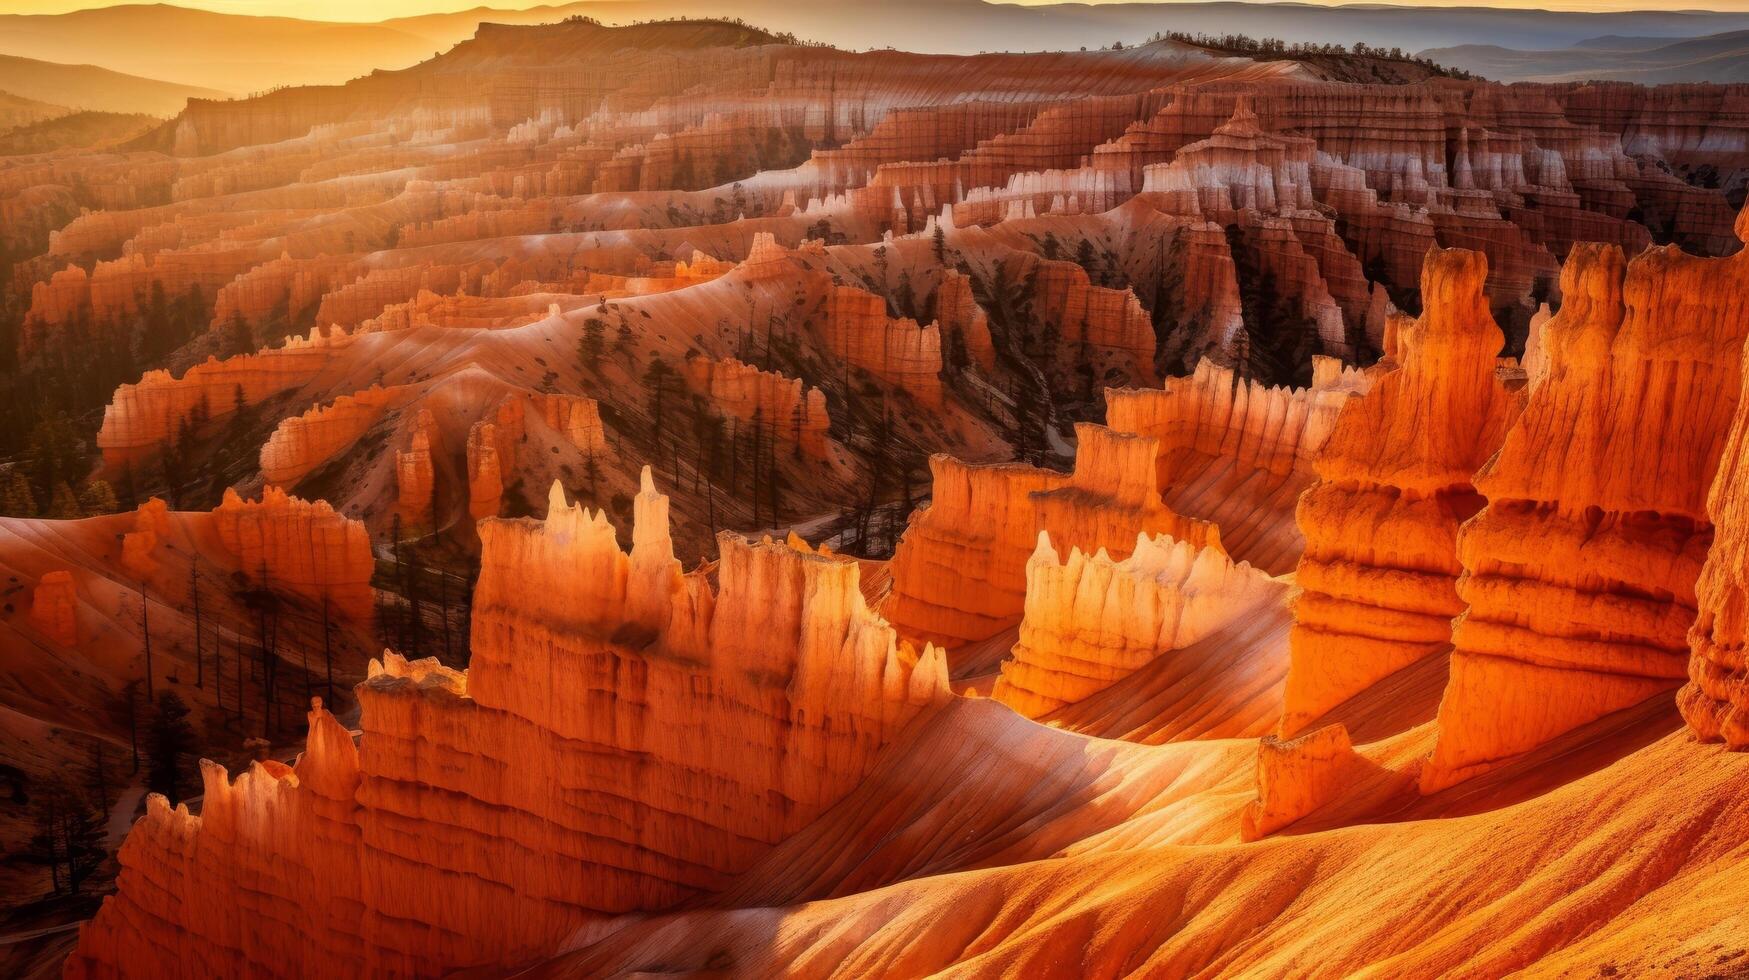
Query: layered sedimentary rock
point(625, 738)
point(284, 543)
point(414, 477)
point(1381, 566)
point(858, 331)
point(1237, 451)
point(302, 443)
point(1216, 413)
point(957, 310)
point(1091, 620)
point(1715, 701)
point(1580, 575)
point(485, 471)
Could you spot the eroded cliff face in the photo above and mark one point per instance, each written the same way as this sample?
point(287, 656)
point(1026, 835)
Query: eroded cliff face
point(959, 573)
point(1092, 620)
point(1580, 574)
point(284, 543)
point(1715, 701)
point(625, 738)
point(1394, 483)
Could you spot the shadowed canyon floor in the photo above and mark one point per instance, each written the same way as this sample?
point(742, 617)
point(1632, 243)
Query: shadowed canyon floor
point(669, 499)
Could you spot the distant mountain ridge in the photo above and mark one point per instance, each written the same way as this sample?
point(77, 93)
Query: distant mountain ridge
point(1719, 58)
point(94, 88)
point(242, 54)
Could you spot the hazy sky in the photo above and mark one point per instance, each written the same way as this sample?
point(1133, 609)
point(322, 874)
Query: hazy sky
point(368, 10)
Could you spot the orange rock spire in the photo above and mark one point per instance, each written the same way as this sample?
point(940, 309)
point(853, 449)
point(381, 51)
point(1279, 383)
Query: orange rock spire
point(1380, 567)
point(1580, 574)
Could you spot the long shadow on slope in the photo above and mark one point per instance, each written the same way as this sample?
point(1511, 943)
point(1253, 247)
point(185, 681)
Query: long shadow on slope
point(977, 785)
point(1227, 685)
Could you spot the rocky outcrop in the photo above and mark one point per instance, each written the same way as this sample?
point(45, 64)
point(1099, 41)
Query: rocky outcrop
point(625, 738)
point(959, 314)
point(794, 412)
point(54, 608)
point(415, 479)
point(145, 416)
point(1715, 701)
point(1217, 413)
point(858, 331)
point(959, 572)
point(1580, 575)
point(304, 442)
point(1297, 776)
point(151, 525)
point(485, 472)
point(1091, 620)
point(286, 544)
point(1394, 482)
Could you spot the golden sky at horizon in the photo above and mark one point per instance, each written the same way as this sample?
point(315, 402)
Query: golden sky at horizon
point(374, 10)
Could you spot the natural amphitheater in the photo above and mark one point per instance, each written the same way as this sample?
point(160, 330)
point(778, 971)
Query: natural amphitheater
point(598, 492)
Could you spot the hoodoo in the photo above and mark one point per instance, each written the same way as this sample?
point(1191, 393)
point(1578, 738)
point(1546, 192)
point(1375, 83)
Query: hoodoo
point(1381, 567)
point(1580, 574)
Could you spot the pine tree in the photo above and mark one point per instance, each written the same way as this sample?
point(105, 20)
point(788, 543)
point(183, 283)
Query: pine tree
point(656, 378)
point(590, 347)
point(64, 505)
point(239, 339)
point(98, 498)
point(16, 498)
point(172, 739)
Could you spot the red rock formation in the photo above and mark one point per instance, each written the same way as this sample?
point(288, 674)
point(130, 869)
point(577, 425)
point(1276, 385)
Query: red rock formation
point(1091, 621)
point(859, 332)
point(959, 573)
point(1296, 777)
point(795, 413)
point(624, 739)
point(958, 313)
point(144, 416)
point(414, 476)
point(1580, 574)
point(1237, 452)
point(1381, 566)
point(304, 442)
point(151, 523)
point(54, 608)
point(1715, 701)
point(283, 543)
point(485, 472)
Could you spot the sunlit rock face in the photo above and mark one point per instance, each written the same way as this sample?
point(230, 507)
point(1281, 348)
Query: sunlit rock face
point(1164, 700)
point(1715, 701)
point(1580, 575)
point(1091, 620)
point(627, 737)
point(282, 542)
point(1381, 564)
